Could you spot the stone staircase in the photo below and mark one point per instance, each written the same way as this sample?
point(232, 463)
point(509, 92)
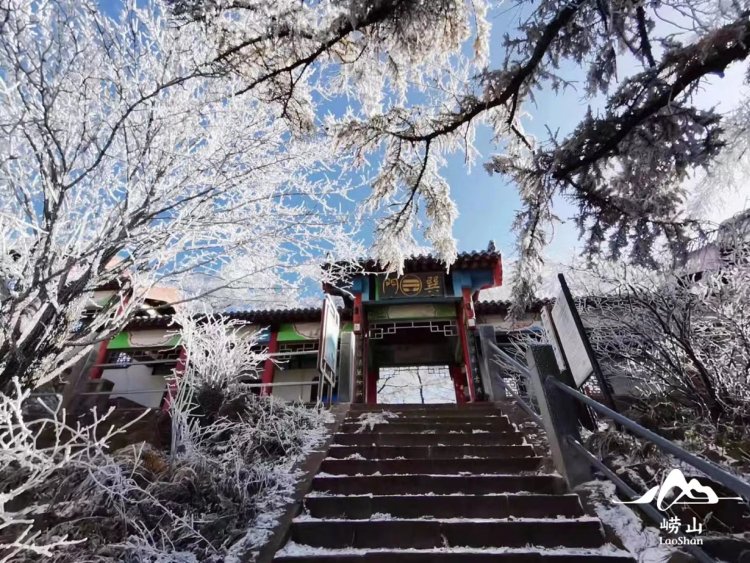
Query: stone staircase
point(442, 483)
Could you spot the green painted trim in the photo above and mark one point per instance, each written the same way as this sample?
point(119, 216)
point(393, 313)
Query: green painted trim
point(119, 342)
point(287, 333)
point(441, 311)
point(122, 342)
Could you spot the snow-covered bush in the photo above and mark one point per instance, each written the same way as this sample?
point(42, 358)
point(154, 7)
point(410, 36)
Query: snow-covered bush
point(677, 347)
point(680, 338)
point(141, 504)
point(35, 452)
point(212, 498)
point(218, 354)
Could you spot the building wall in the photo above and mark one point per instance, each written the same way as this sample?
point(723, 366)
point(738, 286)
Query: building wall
point(137, 378)
point(294, 392)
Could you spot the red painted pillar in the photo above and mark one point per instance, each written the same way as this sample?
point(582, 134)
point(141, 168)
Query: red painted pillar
point(459, 381)
point(101, 356)
point(357, 316)
point(371, 396)
point(269, 366)
point(179, 369)
point(370, 379)
point(466, 312)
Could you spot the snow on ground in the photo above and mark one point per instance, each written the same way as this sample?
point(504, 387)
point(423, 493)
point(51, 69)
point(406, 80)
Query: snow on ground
point(382, 517)
point(416, 384)
point(641, 541)
point(272, 502)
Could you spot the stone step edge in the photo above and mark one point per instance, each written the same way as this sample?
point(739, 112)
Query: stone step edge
point(327, 494)
point(494, 424)
point(444, 416)
point(293, 549)
point(541, 496)
point(433, 459)
point(502, 433)
point(461, 475)
point(422, 446)
point(453, 520)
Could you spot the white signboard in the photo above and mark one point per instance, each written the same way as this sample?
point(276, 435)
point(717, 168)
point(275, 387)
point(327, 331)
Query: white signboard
point(549, 329)
point(329, 339)
point(571, 341)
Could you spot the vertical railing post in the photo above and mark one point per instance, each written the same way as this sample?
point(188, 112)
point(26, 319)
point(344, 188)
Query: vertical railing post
point(492, 387)
point(559, 414)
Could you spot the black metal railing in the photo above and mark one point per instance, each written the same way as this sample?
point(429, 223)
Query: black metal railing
point(715, 472)
point(526, 406)
point(549, 383)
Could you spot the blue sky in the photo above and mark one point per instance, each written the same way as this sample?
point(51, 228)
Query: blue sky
point(487, 204)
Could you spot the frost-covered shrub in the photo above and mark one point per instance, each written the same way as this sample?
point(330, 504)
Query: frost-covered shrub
point(680, 347)
point(218, 499)
point(683, 344)
point(212, 497)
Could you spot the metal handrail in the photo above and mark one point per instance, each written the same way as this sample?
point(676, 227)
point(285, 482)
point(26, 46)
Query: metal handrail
point(712, 470)
point(516, 364)
point(647, 509)
point(521, 403)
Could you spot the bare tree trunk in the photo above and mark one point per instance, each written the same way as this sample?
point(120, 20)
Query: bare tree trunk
point(421, 388)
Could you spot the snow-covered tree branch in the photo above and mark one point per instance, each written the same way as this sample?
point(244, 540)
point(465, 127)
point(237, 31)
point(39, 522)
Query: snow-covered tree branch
point(676, 338)
point(127, 162)
point(624, 166)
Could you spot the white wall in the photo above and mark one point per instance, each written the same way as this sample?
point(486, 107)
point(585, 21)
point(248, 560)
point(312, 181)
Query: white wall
point(137, 378)
point(294, 392)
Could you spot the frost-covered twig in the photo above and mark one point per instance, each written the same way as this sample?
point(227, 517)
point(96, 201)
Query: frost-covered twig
point(31, 452)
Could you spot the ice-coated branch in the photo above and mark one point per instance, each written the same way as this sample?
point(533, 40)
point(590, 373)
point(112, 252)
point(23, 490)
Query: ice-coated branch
point(127, 163)
point(32, 451)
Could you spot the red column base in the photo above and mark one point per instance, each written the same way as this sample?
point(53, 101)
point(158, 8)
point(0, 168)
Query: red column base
point(371, 395)
point(459, 383)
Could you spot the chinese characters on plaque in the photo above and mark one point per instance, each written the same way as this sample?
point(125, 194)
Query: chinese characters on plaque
point(422, 284)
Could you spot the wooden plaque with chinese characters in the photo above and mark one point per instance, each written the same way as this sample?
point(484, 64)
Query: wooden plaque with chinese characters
point(422, 284)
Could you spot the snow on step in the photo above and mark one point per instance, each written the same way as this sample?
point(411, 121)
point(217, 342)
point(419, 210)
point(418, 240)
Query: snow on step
point(339, 451)
point(440, 484)
point(452, 484)
point(425, 534)
point(468, 506)
point(431, 466)
point(606, 553)
point(431, 439)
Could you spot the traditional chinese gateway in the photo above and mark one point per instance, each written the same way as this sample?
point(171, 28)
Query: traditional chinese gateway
point(428, 316)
